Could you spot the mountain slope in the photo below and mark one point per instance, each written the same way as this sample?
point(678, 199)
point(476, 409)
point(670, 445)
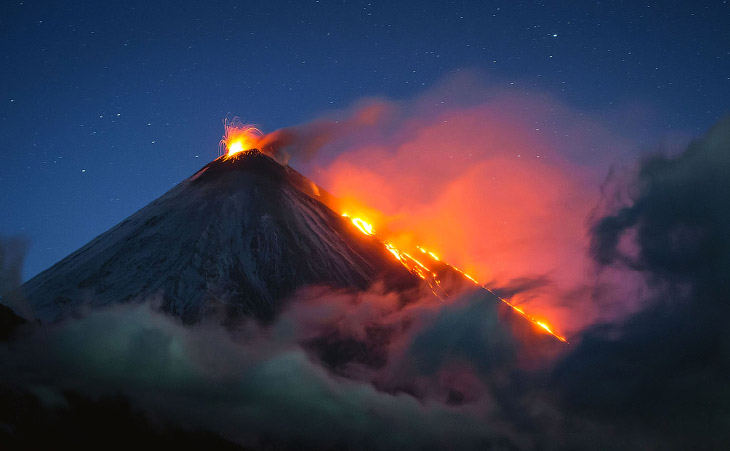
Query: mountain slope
point(238, 236)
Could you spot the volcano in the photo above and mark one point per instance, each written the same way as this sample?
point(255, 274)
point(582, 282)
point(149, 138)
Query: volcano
point(237, 238)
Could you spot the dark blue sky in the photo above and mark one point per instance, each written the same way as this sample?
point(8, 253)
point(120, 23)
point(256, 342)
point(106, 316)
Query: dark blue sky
point(107, 105)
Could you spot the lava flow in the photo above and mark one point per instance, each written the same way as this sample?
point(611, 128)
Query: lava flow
point(424, 272)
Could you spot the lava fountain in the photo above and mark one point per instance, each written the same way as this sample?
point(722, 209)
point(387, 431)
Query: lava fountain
point(238, 138)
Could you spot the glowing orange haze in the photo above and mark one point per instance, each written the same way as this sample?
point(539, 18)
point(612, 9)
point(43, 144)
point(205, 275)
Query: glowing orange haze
point(502, 189)
point(423, 271)
point(488, 193)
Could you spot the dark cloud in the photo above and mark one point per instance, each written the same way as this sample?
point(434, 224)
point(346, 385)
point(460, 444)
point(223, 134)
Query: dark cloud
point(661, 376)
point(109, 422)
point(679, 218)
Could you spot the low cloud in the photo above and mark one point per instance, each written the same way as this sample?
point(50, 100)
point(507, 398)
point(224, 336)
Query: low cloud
point(443, 380)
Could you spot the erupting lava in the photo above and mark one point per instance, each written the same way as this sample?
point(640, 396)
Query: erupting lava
point(424, 272)
point(238, 138)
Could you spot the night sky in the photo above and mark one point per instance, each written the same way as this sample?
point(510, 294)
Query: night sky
point(107, 105)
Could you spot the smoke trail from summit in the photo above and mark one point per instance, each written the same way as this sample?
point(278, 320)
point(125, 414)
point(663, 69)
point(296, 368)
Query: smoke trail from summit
point(496, 183)
point(304, 141)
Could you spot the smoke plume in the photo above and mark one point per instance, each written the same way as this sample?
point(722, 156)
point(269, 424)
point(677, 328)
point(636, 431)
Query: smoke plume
point(499, 184)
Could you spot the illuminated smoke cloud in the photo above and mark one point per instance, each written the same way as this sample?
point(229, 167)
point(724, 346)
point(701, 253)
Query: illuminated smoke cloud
point(496, 183)
point(305, 140)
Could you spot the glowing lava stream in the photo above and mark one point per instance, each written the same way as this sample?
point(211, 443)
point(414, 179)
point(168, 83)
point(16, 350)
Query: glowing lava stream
point(426, 274)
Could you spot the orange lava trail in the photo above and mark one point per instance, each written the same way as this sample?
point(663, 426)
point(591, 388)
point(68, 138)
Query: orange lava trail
point(422, 271)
